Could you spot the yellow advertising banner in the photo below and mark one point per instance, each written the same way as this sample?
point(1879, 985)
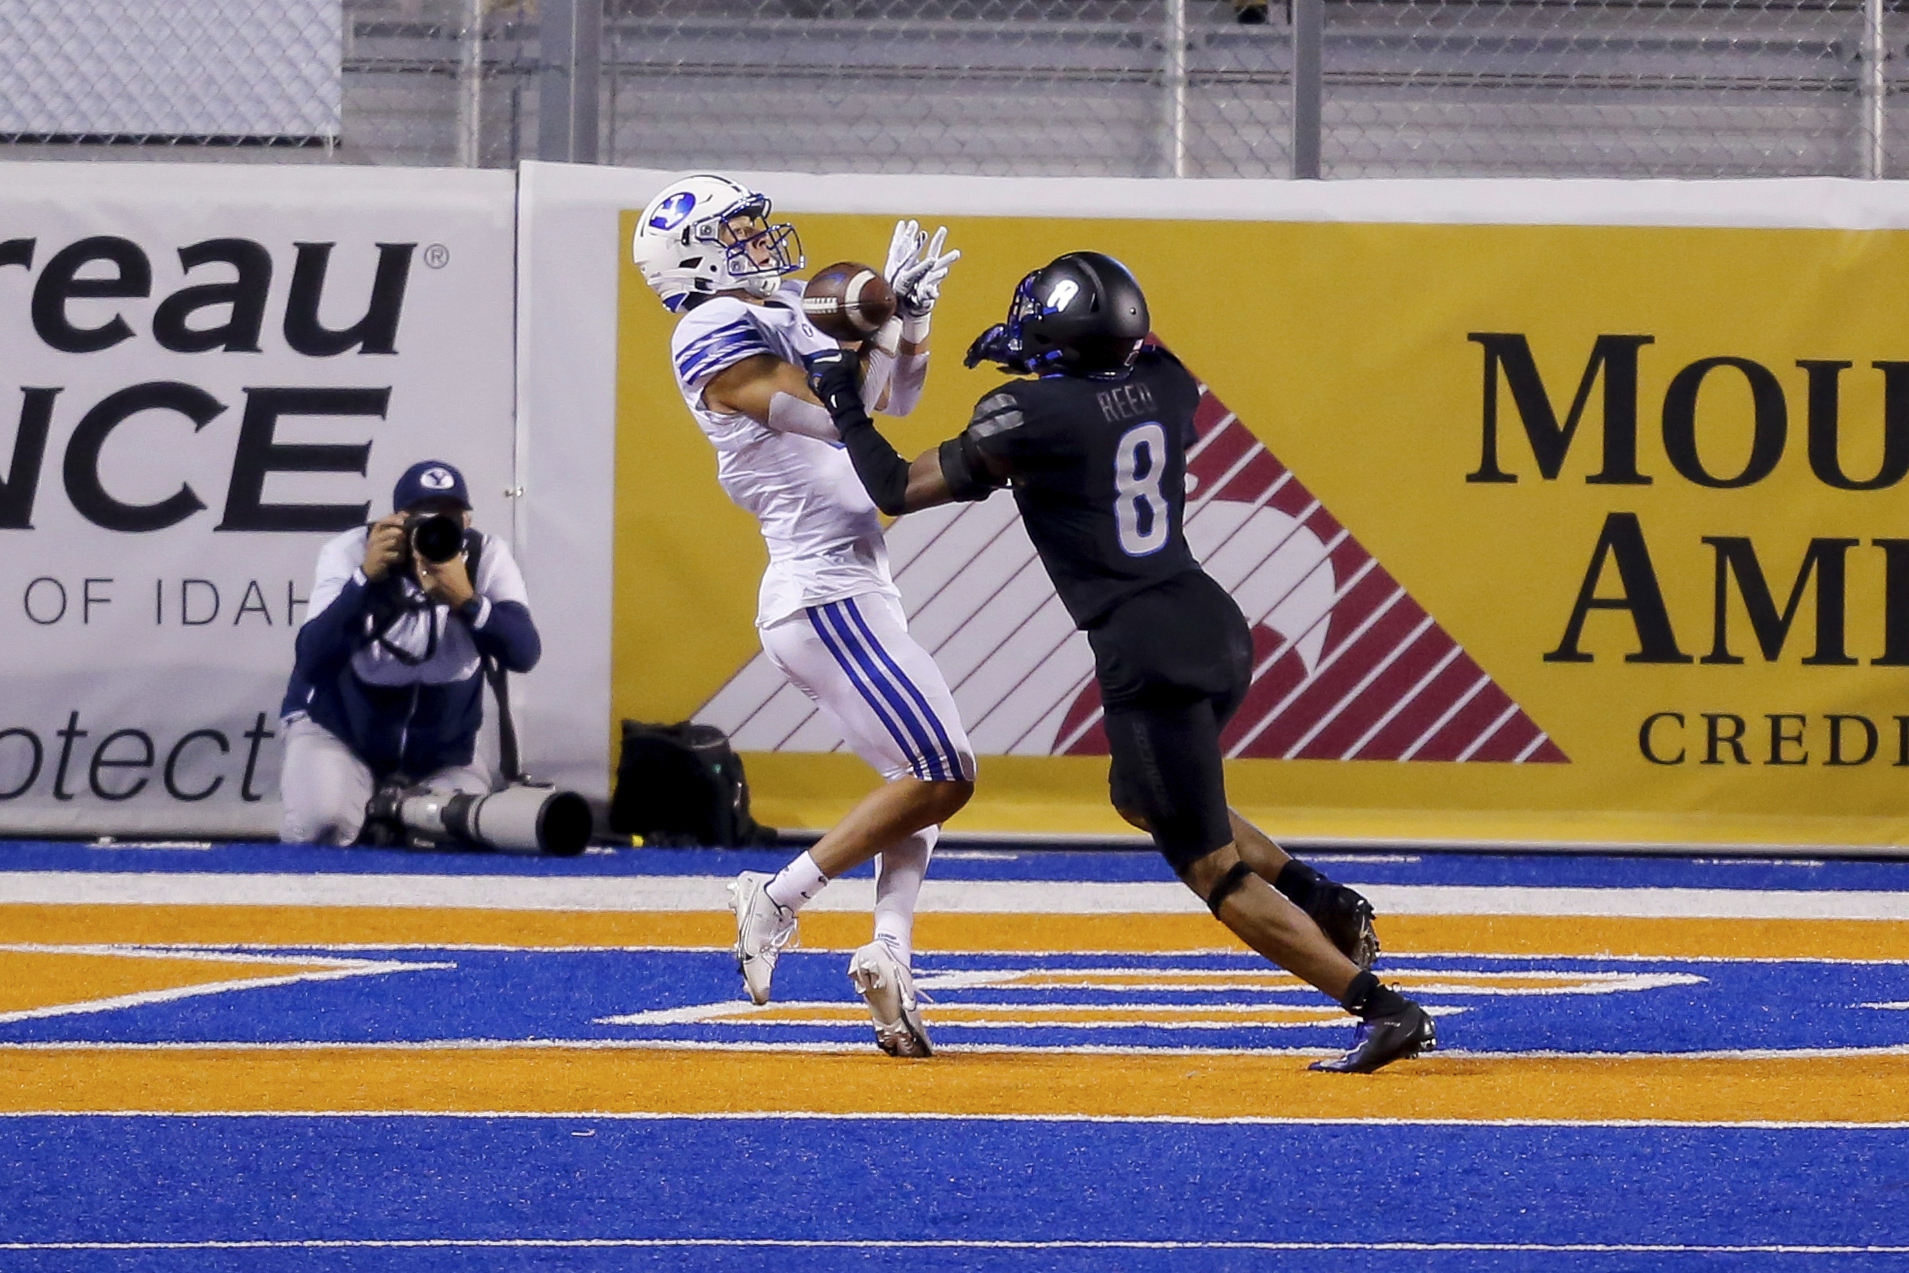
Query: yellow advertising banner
point(1574, 534)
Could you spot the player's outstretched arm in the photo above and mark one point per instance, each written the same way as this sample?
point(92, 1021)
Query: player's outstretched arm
point(771, 392)
point(895, 485)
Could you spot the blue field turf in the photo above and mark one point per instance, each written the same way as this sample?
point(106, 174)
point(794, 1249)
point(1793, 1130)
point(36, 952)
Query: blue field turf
point(958, 861)
point(443, 1194)
point(549, 996)
point(962, 1182)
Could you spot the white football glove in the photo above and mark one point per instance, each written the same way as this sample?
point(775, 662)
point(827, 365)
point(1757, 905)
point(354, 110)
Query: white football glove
point(918, 284)
point(903, 248)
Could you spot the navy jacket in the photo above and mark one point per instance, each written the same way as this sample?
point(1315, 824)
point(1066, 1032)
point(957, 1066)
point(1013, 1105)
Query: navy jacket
point(398, 678)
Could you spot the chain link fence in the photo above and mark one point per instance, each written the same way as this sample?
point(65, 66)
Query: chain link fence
point(1330, 88)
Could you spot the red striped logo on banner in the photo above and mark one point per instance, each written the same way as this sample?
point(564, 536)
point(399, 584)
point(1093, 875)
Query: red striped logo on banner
point(1348, 666)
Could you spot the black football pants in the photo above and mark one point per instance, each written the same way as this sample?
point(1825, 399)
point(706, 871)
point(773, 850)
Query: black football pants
point(1174, 663)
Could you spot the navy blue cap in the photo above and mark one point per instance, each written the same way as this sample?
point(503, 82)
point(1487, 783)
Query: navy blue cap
point(429, 479)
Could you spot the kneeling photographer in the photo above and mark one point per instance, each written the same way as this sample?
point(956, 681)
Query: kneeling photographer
point(387, 691)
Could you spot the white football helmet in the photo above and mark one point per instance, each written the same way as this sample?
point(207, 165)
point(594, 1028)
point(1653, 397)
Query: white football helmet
point(707, 234)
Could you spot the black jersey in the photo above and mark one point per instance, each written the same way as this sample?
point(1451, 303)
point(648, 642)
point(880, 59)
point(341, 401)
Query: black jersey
point(1099, 470)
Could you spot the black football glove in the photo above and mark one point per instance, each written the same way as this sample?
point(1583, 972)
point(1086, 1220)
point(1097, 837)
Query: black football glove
point(997, 346)
point(836, 378)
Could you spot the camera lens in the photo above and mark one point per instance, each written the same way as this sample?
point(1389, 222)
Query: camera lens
point(437, 538)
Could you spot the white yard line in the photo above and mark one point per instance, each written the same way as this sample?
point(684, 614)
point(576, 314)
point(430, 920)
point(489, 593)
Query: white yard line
point(972, 897)
point(943, 1244)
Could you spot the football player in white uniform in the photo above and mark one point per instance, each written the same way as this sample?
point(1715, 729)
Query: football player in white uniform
point(829, 615)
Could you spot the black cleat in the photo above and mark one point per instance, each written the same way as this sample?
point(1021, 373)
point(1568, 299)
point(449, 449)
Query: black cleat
point(1383, 1040)
point(1346, 920)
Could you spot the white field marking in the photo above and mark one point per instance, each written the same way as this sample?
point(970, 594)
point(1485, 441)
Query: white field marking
point(1898, 1006)
point(1624, 985)
point(707, 893)
point(942, 1244)
point(1013, 1014)
point(862, 1049)
point(169, 951)
point(339, 969)
point(943, 1116)
point(729, 1013)
point(1404, 962)
point(193, 846)
point(1364, 857)
point(1393, 960)
point(1463, 981)
point(1637, 903)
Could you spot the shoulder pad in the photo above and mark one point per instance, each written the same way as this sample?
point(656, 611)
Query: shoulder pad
point(723, 332)
point(999, 412)
point(715, 311)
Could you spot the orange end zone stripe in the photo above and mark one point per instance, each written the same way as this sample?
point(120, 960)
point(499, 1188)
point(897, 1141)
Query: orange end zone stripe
point(42, 979)
point(833, 930)
point(1859, 1089)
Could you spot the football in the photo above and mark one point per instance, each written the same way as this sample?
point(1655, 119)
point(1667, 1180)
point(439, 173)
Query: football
point(848, 300)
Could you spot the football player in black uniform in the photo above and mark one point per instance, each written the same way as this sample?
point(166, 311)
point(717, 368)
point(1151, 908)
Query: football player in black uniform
point(1094, 449)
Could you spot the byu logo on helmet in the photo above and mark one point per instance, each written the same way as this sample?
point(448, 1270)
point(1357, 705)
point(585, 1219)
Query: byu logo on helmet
point(705, 234)
point(673, 210)
point(436, 480)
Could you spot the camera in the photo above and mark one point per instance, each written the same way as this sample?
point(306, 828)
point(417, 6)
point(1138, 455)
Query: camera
point(517, 819)
point(434, 537)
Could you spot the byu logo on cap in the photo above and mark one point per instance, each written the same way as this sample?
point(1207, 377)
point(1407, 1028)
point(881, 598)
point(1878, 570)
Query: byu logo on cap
point(435, 479)
point(674, 209)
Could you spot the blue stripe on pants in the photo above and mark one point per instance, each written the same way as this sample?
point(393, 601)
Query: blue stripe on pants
point(924, 746)
point(950, 758)
point(816, 615)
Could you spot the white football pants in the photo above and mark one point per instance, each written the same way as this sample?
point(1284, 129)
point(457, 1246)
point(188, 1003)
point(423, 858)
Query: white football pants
point(855, 659)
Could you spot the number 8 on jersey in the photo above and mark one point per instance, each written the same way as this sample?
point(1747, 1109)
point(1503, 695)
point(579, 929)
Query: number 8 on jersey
point(1141, 514)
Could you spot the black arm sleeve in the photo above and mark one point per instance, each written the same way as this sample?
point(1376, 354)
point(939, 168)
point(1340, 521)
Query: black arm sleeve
point(883, 472)
point(965, 470)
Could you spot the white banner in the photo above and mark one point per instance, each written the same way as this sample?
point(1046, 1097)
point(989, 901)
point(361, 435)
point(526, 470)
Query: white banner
point(208, 371)
point(567, 254)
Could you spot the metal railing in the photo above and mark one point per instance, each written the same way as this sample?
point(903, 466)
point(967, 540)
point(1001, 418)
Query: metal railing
point(1325, 88)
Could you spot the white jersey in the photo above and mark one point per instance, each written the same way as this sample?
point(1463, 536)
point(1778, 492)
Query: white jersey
point(824, 533)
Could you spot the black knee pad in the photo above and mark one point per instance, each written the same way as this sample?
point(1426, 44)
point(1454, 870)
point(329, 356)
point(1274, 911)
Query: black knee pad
point(1229, 884)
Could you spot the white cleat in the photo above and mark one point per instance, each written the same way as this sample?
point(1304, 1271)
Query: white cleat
point(881, 979)
point(763, 929)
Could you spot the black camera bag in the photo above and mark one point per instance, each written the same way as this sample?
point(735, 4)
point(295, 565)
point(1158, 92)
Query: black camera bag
point(683, 784)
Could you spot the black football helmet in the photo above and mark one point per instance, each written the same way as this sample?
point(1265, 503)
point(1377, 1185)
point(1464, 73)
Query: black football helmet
point(1082, 314)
